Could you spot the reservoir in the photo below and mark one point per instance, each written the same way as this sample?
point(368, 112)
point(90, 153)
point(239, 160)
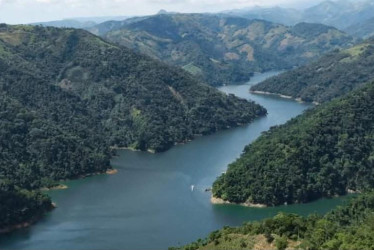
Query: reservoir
point(159, 200)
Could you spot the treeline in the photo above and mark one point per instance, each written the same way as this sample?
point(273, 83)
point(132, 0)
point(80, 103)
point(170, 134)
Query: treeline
point(347, 227)
point(324, 152)
point(66, 96)
point(334, 75)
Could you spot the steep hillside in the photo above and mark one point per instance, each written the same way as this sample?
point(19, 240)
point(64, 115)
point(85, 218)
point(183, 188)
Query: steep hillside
point(37, 151)
point(333, 75)
point(66, 96)
point(327, 151)
point(363, 29)
point(220, 49)
point(346, 227)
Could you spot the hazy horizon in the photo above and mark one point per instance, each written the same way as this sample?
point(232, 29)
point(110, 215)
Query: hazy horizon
point(29, 11)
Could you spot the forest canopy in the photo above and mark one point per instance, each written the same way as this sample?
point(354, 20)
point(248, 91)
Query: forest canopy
point(67, 96)
point(324, 152)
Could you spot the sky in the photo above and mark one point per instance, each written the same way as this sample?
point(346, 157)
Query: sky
point(27, 11)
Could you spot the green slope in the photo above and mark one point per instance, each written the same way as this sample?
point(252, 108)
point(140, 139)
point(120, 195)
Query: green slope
point(331, 76)
point(226, 49)
point(66, 96)
point(347, 227)
point(325, 152)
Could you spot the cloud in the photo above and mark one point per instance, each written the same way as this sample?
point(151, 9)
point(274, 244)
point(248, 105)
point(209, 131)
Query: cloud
point(7, 1)
point(26, 11)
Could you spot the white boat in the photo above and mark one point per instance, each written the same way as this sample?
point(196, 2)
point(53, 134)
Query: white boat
point(192, 188)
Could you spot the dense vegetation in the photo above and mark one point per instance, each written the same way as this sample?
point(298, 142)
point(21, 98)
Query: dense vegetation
point(136, 101)
point(66, 96)
point(221, 49)
point(322, 153)
point(348, 227)
point(334, 75)
point(21, 207)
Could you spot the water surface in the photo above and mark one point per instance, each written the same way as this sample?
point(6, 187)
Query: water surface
point(149, 204)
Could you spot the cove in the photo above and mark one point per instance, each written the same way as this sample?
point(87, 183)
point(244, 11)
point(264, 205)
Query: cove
point(149, 204)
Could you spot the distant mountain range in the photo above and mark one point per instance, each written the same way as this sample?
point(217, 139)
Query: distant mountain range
point(79, 22)
point(275, 14)
point(352, 16)
point(342, 14)
point(223, 49)
point(363, 29)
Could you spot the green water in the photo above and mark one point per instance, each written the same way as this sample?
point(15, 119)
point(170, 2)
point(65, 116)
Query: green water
point(149, 204)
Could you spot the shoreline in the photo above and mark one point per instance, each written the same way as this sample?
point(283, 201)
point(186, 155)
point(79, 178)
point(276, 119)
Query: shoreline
point(31, 221)
point(219, 201)
point(151, 151)
point(298, 99)
point(186, 141)
point(26, 224)
point(58, 187)
point(111, 171)
point(21, 225)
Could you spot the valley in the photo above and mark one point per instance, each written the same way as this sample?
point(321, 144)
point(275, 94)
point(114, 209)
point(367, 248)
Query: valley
point(150, 196)
point(188, 125)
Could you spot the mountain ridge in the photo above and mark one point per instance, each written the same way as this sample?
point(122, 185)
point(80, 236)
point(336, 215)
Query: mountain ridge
point(341, 14)
point(333, 75)
point(223, 50)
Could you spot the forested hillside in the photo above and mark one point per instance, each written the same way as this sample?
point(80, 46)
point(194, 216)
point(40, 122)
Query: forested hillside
point(221, 49)
point(327, 151)
point(347, 227)
point(66, 96)
point(333, 75)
